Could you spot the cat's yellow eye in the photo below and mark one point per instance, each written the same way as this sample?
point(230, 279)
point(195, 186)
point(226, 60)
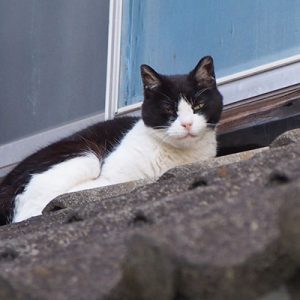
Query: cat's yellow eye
point(199, 106)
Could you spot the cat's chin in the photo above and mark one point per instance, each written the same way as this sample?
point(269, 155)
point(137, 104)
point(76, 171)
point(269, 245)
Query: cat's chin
point(188, 136)
point(188, 141)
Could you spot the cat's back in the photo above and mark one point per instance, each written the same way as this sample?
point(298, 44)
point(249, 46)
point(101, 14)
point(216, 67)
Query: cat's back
point(100, 139)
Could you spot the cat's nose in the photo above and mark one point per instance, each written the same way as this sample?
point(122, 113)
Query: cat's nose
point(187, 125)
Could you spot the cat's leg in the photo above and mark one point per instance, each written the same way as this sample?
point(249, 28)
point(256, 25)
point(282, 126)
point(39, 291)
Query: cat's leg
point(59, 179)
point(91, 184)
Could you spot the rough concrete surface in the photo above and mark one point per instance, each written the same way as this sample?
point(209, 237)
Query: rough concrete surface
point(223, 229)
point(289, 137)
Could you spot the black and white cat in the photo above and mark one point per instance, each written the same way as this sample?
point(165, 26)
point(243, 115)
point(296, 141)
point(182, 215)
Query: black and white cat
point(179, 115)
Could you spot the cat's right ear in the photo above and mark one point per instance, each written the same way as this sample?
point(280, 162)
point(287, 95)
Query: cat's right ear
point(151, 79)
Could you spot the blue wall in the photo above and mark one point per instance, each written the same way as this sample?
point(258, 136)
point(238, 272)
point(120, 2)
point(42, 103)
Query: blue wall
point(172, 35)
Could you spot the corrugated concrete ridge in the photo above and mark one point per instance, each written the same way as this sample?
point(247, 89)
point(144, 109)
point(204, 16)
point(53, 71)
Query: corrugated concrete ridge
point(225, 229)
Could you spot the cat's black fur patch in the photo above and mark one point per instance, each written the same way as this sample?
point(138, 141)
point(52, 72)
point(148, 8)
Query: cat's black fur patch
point(100, 138)
point(162, 93)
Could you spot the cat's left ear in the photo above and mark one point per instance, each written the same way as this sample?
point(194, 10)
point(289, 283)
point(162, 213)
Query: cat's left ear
point(151, 79)
point(204, 72)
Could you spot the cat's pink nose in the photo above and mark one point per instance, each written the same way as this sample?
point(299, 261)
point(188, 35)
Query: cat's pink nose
point(187, 125)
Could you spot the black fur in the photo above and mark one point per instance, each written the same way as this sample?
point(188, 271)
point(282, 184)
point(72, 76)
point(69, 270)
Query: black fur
point(100, 138)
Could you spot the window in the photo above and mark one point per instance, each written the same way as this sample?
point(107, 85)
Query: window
point(255, 44)
point(53, 58)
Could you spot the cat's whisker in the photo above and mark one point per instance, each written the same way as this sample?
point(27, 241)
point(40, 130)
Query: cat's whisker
point(166, 139)
point(212, 124)
point(189, 101)
point(174, 134)
point(201, 92)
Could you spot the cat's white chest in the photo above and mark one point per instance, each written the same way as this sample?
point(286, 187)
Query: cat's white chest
point(140, 155)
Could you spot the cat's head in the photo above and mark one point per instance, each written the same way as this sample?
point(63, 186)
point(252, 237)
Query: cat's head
point(182, 108)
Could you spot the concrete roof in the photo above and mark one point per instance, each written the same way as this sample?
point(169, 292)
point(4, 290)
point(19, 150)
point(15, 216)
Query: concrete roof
point(228, 228)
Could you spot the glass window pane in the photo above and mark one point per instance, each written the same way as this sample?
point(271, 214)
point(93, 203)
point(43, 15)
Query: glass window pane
point(172, 35)
point(52, 63)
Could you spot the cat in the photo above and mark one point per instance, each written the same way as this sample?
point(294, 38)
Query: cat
point(177, 126)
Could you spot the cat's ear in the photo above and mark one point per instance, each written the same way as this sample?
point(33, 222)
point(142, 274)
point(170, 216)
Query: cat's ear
point(151, 79)
point(204, 72)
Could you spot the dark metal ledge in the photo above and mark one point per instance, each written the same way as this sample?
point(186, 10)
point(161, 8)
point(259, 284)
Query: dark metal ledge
point(256, 122)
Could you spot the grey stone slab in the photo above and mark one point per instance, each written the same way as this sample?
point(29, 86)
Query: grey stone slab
point(288, 137)
point(201, 231)
point(230, 252)
point(279, 294)
point(6, 290)
point(85, 270)
point(290, 224)
point(293, 286)
point(93, 195)
point(35, 224)
point(213, 163)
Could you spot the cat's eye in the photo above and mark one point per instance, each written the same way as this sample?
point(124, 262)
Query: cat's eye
point(199, 106)
point(169, 111)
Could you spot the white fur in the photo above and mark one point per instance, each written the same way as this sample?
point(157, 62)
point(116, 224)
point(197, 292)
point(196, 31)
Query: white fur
point(179, 133)
point(44, 187)
point(143, 153)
